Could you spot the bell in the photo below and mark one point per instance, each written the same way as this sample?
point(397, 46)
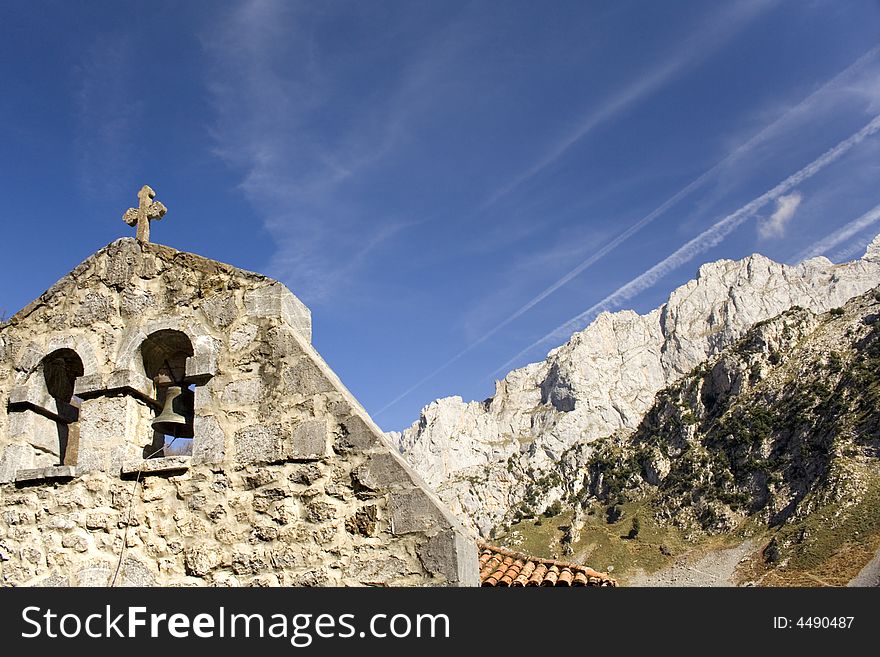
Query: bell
point(173, 421)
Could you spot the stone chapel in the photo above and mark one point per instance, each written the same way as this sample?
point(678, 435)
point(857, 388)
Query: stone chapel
point(288, 482)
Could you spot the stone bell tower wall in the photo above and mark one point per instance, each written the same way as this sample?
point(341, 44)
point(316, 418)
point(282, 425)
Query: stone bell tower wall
point(289, 481)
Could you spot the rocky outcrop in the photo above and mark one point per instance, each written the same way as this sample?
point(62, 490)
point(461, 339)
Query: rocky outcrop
point(775, 438)
point(523, 447)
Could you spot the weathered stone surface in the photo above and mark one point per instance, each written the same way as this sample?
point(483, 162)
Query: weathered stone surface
point(483, 457)
point(113, 430)
point(210, 447)
point(135, 302)
point(38, 431)
point(309, 440)
point(93, 309)
point(156, 466)
point(374, 567)
point(221, 311)
point(356, 436)
point(52, 472)
point(242, 337)
point(414, 511)
point(275, 300)
point(130, 382)
point(453, 556)
point(54, 581)
point(383, 471)
point(201, 559)
point(363, 522)
point(245, 391)
point(135, 573)
point(259, 444)
point(12, 459)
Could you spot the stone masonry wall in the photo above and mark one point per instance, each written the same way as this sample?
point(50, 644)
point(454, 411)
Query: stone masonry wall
point(289, 483)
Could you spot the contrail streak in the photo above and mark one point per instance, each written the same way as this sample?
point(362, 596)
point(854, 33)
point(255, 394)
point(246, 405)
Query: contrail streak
point(705, 41)
point(733, 156)
point(709, 238)
point(840, 235)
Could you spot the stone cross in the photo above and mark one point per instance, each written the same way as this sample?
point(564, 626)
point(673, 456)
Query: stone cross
point(147, 211)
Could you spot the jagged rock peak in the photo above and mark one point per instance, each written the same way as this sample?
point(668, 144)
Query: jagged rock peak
point(484, 458)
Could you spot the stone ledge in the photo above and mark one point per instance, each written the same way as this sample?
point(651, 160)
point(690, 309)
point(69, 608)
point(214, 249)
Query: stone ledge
point(120, 381)
point(162, 465)
point(42, 474)
point(31, 398)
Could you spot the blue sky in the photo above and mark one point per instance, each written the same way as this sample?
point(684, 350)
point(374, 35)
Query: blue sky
point(452, 187)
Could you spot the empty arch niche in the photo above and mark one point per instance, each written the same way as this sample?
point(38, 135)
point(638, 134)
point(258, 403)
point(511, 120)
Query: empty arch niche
point(44, 414)
point(60, 371)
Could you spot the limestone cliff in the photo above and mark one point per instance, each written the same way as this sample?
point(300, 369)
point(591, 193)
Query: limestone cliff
point(775, 440)
point(529, 442)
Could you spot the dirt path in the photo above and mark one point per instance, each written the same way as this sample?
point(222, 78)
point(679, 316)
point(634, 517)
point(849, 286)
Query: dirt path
point(714, 569)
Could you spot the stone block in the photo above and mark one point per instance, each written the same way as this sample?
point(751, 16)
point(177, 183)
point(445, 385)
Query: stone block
point(304, 377)
point(39, 431)
point(258, 444)
point(202, 365)
point(14, 458)
point(94, 574)
point(275, 300)
point(209, 443)
point(89, 385)
point(135, 573)
point(130, 382)
point(242, 392)
point(309, 441)
point(383, 471)
point(363, 522)
point(164, 465)
point(134, 302)
point(113, 430)
point(453, 556)
point(54, 581)
point(92, 309)
point(357, 436)
point(42, 474)
point(242, 336)
point(414, 511)
point(36, 399)
point(377, 567)
point(220, 310)
point(120, 263)
point(76, 540)
point(32, 394)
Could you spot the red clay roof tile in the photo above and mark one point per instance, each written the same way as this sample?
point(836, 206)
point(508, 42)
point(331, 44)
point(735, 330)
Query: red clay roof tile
point(502, 567)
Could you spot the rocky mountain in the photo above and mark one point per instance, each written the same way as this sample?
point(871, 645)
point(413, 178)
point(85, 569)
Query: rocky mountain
point(772, 444)
point(525, 448)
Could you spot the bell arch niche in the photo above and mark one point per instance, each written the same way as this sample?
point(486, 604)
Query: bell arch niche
point(165, 354)
point(44, 417)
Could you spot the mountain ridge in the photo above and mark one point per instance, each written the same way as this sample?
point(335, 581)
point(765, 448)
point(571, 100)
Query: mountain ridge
point(484, 458)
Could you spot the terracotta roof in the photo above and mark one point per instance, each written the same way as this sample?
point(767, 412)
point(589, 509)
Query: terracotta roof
point(503, 567)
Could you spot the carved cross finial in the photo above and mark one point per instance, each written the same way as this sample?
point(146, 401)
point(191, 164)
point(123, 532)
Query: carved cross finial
point(148, 210)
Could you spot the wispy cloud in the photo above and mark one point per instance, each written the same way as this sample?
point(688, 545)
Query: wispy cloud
point(840, 236)
point(706, 240)
point(108, 110)
point(797, 112)
point(774, 226)
point(705, 40)
point(271, 88)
